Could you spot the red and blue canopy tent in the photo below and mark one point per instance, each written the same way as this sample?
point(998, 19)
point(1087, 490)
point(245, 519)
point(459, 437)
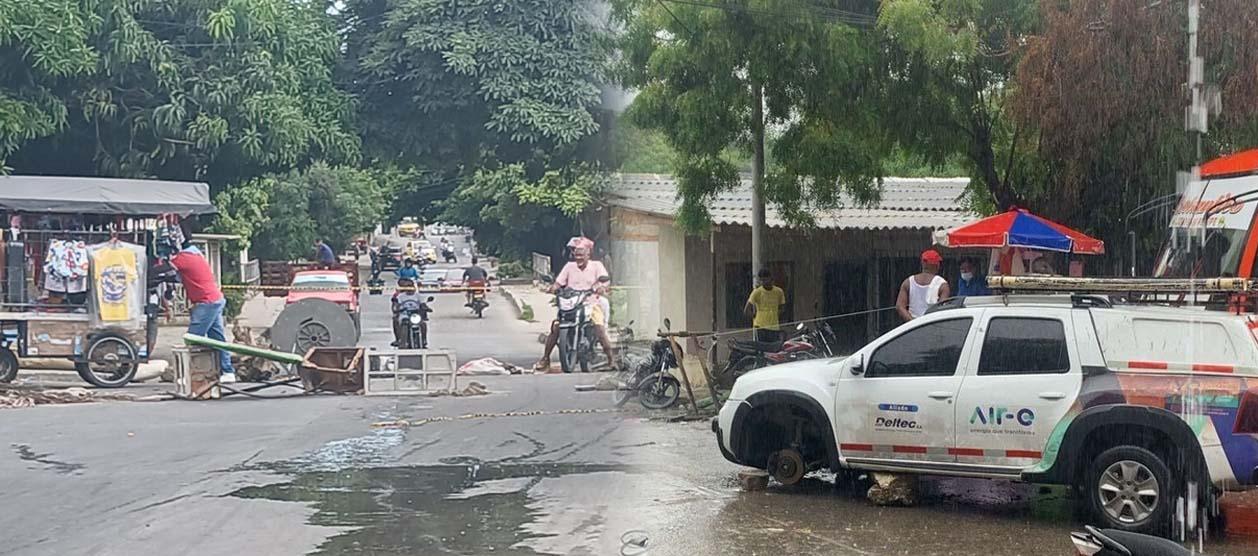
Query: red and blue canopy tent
point(1019, 228)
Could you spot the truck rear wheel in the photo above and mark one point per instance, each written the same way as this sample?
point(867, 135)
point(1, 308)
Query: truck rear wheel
point(1130, 488)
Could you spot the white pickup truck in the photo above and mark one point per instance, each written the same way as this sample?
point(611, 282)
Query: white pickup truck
point(1133, 405)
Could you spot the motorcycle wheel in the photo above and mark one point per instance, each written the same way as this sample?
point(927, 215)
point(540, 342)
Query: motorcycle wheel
point(625, 388)
point(567, 355)
point(659, 392)
point(480, 311)
point(739, 368)
point(585, 354)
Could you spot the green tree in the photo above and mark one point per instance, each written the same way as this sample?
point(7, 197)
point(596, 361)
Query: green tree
point(452, 88)
point(283, 214)
point(40, 44)
point(946, 78)
point(715, 76)
point(515, 215)
point(1113, 132)
point(446, 82)
point(219, 90)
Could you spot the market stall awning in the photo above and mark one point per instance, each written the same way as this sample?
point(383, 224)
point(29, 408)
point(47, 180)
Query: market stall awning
point(131, 197)
point(1019, 228)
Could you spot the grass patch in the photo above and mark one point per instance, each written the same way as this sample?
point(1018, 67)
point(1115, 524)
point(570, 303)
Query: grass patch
point(526, 311)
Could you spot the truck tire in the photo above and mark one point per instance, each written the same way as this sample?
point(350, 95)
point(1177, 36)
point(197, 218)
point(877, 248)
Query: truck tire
point(1130, 488)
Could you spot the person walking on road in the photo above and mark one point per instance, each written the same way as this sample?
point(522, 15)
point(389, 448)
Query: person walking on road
point(919, 291)
point(763, 307)
point(207, 300)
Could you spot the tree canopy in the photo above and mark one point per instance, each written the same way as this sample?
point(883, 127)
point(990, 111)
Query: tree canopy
point(716, 76)
point(216, 90)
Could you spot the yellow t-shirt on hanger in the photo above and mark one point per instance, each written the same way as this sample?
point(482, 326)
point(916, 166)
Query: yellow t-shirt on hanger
point(116, 279)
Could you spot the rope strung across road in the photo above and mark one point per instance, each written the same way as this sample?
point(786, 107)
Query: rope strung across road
point(403, 423)
point(717, 335)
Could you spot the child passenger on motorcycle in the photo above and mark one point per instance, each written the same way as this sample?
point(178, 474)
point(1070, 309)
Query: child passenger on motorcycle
point(582, 274)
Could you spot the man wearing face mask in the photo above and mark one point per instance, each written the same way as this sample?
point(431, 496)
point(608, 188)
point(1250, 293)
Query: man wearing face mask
point(971, 283)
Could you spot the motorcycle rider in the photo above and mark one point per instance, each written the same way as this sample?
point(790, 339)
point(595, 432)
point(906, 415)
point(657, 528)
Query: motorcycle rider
point(582, 274)
point(474, 277)
point(408, 294)
point(407, 271)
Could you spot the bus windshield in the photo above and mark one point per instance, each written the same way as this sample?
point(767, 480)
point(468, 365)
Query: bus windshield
point(1209, 230)
point(1185, 257)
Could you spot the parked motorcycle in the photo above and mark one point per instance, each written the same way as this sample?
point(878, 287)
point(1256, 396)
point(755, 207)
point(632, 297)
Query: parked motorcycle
point(412, 315)
point(649, 379)
point(747, 355)
point(1113, 542)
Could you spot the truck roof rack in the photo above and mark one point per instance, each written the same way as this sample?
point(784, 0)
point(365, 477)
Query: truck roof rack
point(1062, 284)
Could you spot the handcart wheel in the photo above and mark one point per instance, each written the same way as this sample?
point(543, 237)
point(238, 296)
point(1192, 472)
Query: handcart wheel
point(8, 365)
point(110, 361)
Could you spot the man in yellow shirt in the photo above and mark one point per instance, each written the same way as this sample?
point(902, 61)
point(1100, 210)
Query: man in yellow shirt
point(763, 307)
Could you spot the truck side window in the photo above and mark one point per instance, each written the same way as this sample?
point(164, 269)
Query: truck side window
point(1020, 346)
point(928, 350)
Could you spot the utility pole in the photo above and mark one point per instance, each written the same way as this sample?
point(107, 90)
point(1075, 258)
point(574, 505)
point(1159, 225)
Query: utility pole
point(757, 180)
point(1196, 118)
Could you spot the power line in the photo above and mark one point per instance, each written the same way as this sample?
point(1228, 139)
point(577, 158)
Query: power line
point(674, 16)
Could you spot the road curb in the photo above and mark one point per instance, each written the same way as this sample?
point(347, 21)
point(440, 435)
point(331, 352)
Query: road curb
point(516, 302)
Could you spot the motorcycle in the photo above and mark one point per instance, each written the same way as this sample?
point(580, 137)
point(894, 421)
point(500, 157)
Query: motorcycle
point(478, 304)
point(649, 379)
point(1113, 542)
point(576, 330)
point(747, 355)
point(447, 253)
point(411, 314)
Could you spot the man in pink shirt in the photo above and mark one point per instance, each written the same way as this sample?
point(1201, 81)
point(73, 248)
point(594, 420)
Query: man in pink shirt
point(581, 274)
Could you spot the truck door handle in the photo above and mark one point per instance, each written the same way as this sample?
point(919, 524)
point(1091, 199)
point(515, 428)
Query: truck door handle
point(940, 395)
point(1052, 395)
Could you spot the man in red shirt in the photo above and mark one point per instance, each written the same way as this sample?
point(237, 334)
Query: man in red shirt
point(206, 313)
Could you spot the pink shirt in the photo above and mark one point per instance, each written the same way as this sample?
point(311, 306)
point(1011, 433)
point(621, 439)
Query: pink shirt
point(577, 278)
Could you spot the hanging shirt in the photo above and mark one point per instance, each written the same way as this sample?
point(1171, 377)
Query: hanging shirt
point(198, 279)
point(117, 282)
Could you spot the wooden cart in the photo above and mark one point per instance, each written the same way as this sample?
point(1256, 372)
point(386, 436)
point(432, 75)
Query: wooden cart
point(99, 209)
point(105, 356)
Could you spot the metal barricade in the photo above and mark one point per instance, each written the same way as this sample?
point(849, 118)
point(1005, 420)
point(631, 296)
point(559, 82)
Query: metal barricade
point(410, 372)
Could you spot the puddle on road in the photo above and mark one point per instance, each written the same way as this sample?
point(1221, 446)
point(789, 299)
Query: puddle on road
point(464, 507)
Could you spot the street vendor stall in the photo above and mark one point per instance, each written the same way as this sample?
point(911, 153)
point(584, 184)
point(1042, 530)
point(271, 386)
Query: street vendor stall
point(73, 283)
point(1018, 239)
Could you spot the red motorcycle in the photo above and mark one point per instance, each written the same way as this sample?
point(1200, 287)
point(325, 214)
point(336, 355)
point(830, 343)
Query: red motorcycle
point(747, 355)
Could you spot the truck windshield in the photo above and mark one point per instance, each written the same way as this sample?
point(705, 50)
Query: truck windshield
point(1185, 256)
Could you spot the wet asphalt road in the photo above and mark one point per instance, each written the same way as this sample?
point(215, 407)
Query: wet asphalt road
point(559, 475)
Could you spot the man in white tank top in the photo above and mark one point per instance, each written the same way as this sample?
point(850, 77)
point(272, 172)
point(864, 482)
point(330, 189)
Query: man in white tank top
point(919, 291)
